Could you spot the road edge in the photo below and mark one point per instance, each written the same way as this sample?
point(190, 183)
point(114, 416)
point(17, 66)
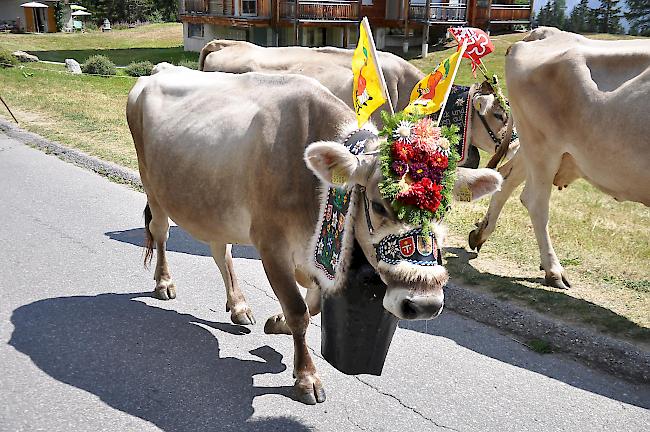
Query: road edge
point(606, 353)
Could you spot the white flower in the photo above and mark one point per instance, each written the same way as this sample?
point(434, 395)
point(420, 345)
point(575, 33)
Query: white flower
point(403, 131)
point(443, 146)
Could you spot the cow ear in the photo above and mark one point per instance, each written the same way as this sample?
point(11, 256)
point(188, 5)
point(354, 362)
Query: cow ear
point(332, 162)
point(483, 103)
point(472, 184)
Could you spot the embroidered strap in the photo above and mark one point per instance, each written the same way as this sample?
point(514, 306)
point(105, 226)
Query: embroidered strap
point(329, 244)
point(413, 247)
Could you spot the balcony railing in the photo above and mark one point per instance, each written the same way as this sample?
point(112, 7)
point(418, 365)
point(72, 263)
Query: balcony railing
point(509, 13)
point(441, 12)
point(195, 6)
point(325, 10)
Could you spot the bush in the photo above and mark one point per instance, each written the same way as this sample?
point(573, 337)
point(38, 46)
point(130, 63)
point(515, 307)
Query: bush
point(192, 64)
point(99, 65)
point(155, 17)
point(138, 69)
point(7, 59)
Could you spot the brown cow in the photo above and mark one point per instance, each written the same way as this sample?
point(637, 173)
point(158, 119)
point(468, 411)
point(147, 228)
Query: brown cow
point(236, 173)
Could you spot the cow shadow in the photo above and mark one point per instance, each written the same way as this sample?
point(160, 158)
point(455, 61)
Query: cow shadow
point(180, 241)
point(449, 327)
point(557, 301)
point(156, 364)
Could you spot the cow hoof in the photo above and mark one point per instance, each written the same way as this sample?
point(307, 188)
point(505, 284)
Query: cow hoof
point(166, 290)
point(557, 281)
point(474, 240)
point(277, 325)
point(242, 317)
point(309, 390)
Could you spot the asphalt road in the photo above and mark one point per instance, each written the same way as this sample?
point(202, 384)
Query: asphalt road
point(85, 347)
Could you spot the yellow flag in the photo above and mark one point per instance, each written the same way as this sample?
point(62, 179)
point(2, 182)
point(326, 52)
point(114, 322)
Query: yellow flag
point(430, 94)
point(367, 89)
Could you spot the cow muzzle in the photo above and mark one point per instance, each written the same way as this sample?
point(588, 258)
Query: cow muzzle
point(405, 304)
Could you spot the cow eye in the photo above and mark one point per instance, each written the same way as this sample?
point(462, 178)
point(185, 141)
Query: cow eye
point(379, 209)
point(500, 116)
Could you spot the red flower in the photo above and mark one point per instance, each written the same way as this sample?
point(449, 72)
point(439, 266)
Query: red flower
point(424, 194)
point(439, 160)
point(402, 151)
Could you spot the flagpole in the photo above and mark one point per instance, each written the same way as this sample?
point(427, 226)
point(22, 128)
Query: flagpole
point(373, 51)
point(453, 77)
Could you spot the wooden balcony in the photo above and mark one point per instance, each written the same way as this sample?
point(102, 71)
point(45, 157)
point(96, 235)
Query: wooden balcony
point(195, 6)
point(510, 13)
point(261, 9)
point(326, 11)
point(439, 12)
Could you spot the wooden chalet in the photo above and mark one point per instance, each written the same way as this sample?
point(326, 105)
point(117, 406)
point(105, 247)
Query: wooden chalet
point(395, 23)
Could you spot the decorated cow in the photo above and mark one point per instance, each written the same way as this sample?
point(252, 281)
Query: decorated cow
point(257, 171)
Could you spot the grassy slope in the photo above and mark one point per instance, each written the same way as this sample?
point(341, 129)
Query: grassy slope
point(604, 245)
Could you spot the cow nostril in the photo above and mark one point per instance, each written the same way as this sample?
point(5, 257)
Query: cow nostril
point(409, 309)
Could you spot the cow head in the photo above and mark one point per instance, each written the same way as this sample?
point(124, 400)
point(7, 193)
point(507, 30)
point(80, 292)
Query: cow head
point(490, 118)
point(407, 257)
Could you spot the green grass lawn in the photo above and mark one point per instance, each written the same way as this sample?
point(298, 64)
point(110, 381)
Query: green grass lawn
point(153, 42)
point(604, 245)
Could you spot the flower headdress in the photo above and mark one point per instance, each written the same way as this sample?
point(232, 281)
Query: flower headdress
point(418, 163)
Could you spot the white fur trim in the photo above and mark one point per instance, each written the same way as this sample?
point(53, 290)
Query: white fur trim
point(409, 274)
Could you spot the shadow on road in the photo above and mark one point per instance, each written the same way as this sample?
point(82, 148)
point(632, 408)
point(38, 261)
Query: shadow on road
point(159, 365)
point(180, 241)
point(449, 327)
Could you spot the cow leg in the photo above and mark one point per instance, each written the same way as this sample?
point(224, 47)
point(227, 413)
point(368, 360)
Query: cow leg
point(513, 172)
point(280, 272)
point(236, 304)
point(535, 198)
point(159, 228)
point(277, 324)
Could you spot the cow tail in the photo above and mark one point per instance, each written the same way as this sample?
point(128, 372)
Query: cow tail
point(148, 238)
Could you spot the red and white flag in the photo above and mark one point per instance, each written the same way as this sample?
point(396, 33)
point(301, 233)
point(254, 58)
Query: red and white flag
point(478, 44)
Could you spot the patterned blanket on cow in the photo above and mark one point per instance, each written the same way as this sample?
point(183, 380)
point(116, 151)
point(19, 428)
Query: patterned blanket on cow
point(457, 111)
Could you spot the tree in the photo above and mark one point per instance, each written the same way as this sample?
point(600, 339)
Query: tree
point(558, 16)
point(544, 17)
point(132, 10)
point(578, 21)
point(638, 15)
point(593, 22)
point(609, 17)
point(552, 14)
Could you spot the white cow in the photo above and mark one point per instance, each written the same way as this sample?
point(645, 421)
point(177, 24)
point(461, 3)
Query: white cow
point(581, 109)
point(332, 67)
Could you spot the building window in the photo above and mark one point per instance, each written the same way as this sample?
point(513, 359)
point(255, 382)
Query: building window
point(194, 30)
point(249, 7)
point(366, 2)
